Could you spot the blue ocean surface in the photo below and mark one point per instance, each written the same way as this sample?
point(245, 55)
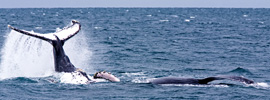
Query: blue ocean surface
point(137, 45)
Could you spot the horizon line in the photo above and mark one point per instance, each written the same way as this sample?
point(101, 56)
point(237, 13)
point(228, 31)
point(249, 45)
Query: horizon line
point(137, 7)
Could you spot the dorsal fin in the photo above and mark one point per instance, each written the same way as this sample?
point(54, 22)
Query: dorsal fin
point(209, 79)
point(233, 78)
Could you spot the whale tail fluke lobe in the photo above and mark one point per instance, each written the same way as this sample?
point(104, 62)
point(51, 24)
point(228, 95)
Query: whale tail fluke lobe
point(64, 34)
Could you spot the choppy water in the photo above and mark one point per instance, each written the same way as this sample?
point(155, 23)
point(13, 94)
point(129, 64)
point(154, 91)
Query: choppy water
point(138, 44)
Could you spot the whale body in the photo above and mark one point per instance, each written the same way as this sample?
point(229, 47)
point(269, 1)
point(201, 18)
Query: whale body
point(178, 80)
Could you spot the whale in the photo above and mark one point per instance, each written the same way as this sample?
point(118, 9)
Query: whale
point(57, 40)
point(204, 81)
point(61, 60)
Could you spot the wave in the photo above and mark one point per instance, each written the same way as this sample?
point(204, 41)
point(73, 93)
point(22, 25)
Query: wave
point(22, 80)
point(240, 70)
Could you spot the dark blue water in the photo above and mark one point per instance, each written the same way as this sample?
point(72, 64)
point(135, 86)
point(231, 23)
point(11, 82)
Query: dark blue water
point(138, 44)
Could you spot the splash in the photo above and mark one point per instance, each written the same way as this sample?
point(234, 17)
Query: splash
point(138, 77)
point(24, 56)
point(73, 78)
point(79, 52)
point(261, 85)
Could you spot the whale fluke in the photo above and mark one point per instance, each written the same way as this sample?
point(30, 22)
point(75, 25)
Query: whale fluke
point(64, 34)
point(57, 40)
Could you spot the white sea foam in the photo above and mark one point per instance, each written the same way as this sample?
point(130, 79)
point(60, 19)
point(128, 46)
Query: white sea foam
point(138, 77)
point(135, 74)
point(192, 17)
point(98, 27)
point(261, 85)
point(174, 16)
point(164, 20)
point(32, 13)
point(38, 27)
point(141, 80)
point(261, 22)
point(73, 78)
point(187, 20)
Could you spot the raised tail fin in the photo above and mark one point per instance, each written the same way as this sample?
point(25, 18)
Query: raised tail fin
point(68, 32)
point(37, 35)
point(64, 34)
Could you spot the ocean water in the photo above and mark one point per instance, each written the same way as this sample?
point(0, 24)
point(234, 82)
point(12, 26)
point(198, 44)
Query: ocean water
point(137, 45)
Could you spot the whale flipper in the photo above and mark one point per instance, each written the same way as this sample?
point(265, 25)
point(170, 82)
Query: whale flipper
point(64, 34)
